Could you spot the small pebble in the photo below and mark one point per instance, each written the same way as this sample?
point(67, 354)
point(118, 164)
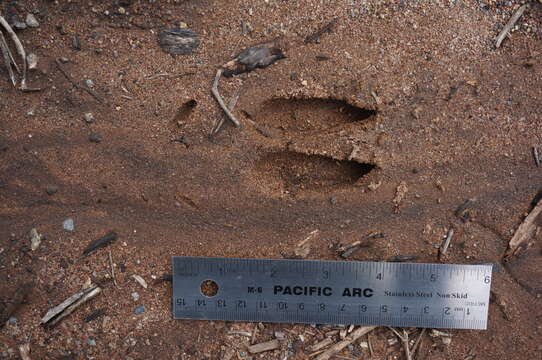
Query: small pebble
point(30, 112)
point(95, 138)
point(139, 310)
point(13, 320)
point(183, 25)
point(63, 59)
point(88, 117)
point(89, 83)
point(135, 296)
point(91, 342)
point(19, 25)
point(122, 10)
point(333, 201)
point(32, 21)
point(51, 189)
point(68, 225)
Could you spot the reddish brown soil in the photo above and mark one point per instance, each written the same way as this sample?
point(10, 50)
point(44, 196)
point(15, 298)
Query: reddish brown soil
point(451, 117)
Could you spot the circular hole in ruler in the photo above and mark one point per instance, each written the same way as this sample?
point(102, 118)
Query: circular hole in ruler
point(209, 288)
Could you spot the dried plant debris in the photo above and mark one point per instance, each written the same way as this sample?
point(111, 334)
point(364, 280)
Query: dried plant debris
point(351, 338)
point(57, 313)
point(35, 239)
point(347, 250)
point(513, 20)
point(265, 346)
point(463, 212)
point(526, 230)
point(257, 56)
point(304, 246)
point(100, 243)
point(8, 57)
point(177, 41)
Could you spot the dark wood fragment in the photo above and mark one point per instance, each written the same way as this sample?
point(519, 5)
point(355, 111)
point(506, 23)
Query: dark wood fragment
point(100, 243)
point(96, 314)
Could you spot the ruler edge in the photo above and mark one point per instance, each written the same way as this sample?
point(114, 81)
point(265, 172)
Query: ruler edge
point(488, 267)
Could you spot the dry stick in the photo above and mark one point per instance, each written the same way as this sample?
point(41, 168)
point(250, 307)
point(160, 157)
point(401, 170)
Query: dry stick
point(510, 24)
point(231, 105)
point(418, 342)
point(7, 57)
point(446, 243)
point(20, 50)
point(404, 340)
point(535, 154)
point(354, 336)
point(69, 78)
point(525, 231)
point(371, 352)
point(218, 98)
point(112, 268)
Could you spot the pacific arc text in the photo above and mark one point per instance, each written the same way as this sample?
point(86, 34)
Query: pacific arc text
point(320, 291)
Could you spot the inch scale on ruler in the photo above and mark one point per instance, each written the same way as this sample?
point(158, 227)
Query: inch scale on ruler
point(332, 292)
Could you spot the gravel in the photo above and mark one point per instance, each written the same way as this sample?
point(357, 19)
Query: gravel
point(31, 21)
point(95, 138)
point(68, 225)
point(88, 117)
point(139, 310)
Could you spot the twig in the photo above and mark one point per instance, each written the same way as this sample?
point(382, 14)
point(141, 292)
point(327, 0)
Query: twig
point(84, 88)
point(65, 308)
point(371, 352)
point(168, 75)
point(112, 268)
point(444, 247)
point(404, 340)
point(510, 24)
point(535, 154)
point(417, 342)
point(231, 105)
point(525, 231)
point(218, 98)
point(354, 336)
point(7, 58)
point(316, 36)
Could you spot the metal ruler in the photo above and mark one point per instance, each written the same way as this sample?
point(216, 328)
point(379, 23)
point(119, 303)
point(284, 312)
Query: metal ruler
point(332, 292)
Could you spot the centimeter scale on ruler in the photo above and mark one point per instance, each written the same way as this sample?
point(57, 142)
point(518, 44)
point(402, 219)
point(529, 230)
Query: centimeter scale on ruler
point(332, 292)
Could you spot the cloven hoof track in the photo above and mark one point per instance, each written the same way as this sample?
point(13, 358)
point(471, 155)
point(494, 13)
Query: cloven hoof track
point(295, 172)
point(308, 115)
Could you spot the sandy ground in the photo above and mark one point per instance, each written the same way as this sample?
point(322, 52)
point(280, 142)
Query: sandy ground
point(398, 92)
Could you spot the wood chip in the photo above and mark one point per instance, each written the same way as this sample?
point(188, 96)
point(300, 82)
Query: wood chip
point(320, 345)
point(354, 336)
point(24, 350)
point(265, 346)
point(526, 230)
point(140, 280)
point(57, 313)
point(303, 247)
